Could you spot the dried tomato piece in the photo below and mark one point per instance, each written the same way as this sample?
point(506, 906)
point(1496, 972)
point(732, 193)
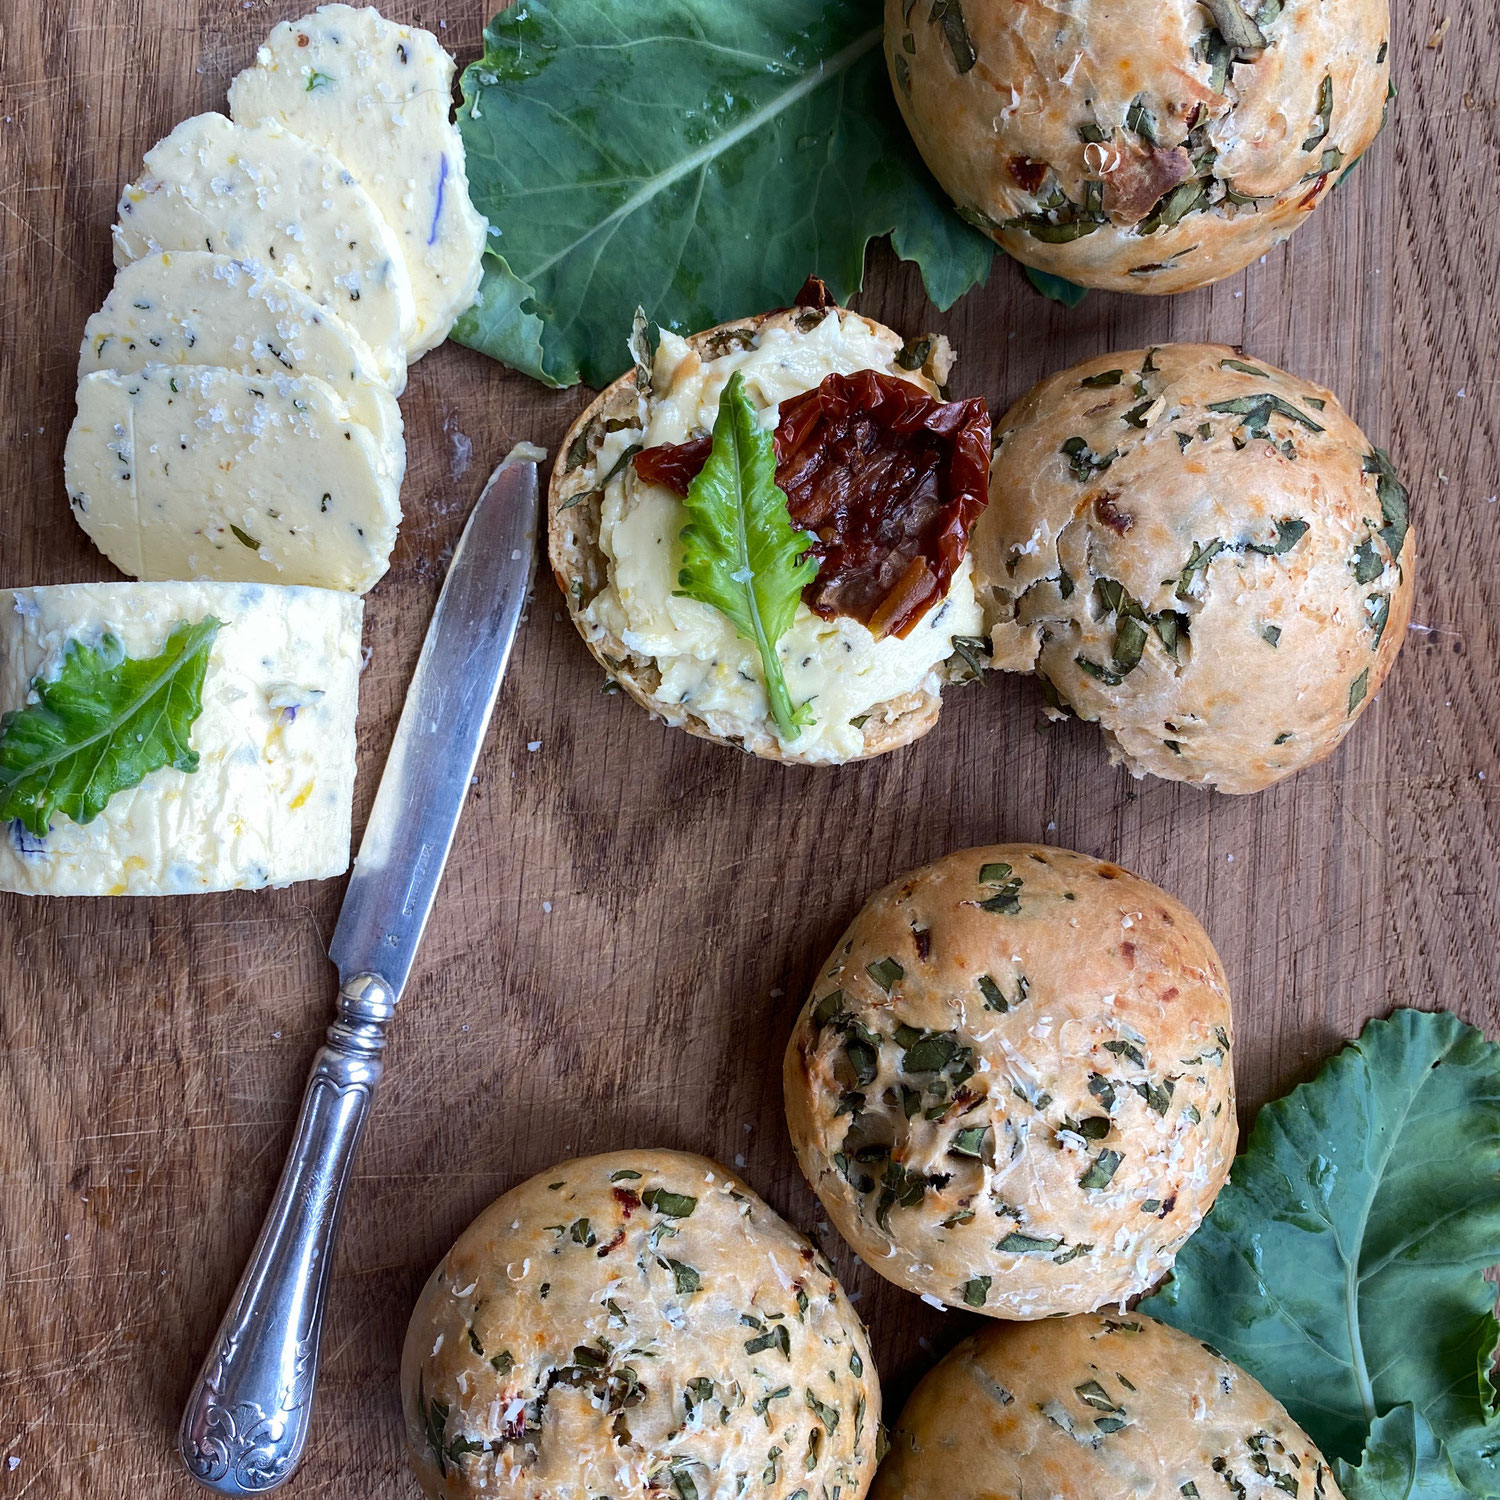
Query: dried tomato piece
point(814, 293)
point(891, 481)
point(888, 479)
point(675, 465)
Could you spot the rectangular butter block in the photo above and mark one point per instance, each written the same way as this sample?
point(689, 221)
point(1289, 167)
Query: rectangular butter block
point(271, 800)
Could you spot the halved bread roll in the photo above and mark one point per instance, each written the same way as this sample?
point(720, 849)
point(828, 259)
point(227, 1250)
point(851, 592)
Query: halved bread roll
point(613, 543)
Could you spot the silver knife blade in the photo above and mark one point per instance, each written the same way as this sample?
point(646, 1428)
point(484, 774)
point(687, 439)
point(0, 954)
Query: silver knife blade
point(443, 722)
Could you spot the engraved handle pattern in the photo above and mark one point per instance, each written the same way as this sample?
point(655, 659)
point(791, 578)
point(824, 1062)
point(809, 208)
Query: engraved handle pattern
point(246, 1422)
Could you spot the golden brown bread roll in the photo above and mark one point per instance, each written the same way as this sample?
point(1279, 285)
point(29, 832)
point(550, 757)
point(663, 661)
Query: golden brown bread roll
point(1199, 552)
point(633, 1323)
point(1143, 146)
point(1011, 1084)
point(1096, 1408)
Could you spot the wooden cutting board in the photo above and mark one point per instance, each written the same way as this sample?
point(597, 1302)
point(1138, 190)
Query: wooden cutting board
point(631, 917)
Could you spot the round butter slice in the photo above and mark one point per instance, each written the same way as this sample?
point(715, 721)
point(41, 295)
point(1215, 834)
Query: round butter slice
point(263, 194)
point(191, 471)
point(271, 799)
point(379, 95)
point(193, 307)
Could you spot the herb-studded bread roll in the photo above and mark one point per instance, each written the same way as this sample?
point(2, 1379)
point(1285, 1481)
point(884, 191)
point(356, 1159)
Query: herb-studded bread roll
point(1147, 146)
point(1011, 1084)
point(1201, 553)
point(1096, 1408)
point(631, 1323)
point(882, 474)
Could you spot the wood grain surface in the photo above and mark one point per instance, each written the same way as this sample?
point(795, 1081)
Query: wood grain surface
point(631, 917)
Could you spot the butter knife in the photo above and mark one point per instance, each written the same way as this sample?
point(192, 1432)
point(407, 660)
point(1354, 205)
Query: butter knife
point(246, 1423)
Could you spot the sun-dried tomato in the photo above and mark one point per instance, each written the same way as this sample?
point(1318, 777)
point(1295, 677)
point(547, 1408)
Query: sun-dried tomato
point(675, 465)
point(888, 479)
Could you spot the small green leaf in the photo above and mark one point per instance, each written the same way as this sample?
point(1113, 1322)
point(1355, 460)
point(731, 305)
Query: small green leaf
point(930, 1055)
point(1368, 564)
point(1091, 1393)
point(686, 1277)
point(102, 725)
point(914, 353)
point(827, 1008)
point(672, 1205)
point(969, 1141)
point(1101, 1171)
point(1239, 33)
point(741, 553)
point(1083, 462)
point(1199, 558)
point(1395, 503)
point(977, 1290)
point(1027, 1244)
point(826, 1414)
point(1289, 531)
point(1102, 674)
point(1358, 688)
point(950, 16)
point(994, 996)
point(1324, 117)
point(775, 1337)
point(1057, 288)
point(886, 972)
point(316, 80)
point(1258, 410)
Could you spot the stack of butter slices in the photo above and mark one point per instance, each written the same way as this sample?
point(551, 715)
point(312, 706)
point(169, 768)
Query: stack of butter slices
point(238, 446)
point(277, 270)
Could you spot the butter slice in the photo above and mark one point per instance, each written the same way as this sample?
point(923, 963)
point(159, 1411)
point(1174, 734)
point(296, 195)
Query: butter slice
point(378, 95)
point(192, 307)
point(192, 471)
point(271, 799)
point(263, 194)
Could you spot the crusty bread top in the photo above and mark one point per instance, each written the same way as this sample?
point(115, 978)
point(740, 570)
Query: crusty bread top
point(1147, 480)
point(1011, 1084)
point(621, 1316)
point(1096, 1408)
point(1096, 102)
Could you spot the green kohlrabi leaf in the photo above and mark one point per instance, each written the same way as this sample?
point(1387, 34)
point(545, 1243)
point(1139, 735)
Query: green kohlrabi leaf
point(1344, 1264)
point(741, 553)
point(1058, 288)
point(102, 725)
point(696, 157)
point(1402, 1461)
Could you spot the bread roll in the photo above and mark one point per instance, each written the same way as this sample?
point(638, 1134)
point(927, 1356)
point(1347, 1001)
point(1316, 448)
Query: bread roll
point(1146, 146)
point(614, 544)
point(634, 1323)
point(1199, 552)
point(1011, 1084)
point(1096, 1408)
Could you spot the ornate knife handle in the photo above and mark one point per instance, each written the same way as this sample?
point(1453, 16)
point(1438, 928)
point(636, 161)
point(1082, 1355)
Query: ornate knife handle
point(246, 1422)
